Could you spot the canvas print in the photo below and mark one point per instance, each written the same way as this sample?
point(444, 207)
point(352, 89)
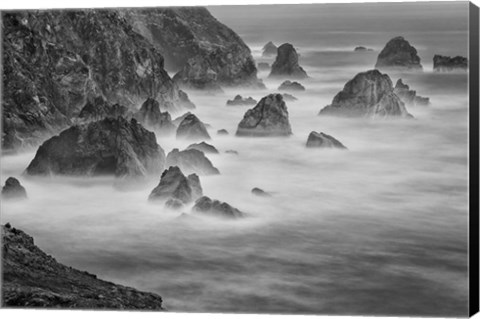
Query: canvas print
point(281, 159)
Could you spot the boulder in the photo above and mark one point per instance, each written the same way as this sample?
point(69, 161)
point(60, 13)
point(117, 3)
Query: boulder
point(260, 192)
point(291, 86)
point(269, 49)
point(152, 118)
point(207, 206)
point(192, 128)
point(268, 118)
point(447, 64)
point(399, 54)
point(191, 161)
point(222, 132)
point(203, 147)
point(368, 94)
point(13, 189)
point(409, 97)
point(286, 63)
point(323, 140)
point(239, 100)
point(98, 108)
point(289, 97)
point(263, 66)
point(175, 186)
point(110, 146)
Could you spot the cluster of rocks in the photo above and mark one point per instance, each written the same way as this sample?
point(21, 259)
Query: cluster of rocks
point(409, 97)
point(447, 64)
point(399, 54)
point(286, 63)
point(216, 208)
point(291, 86)
point(239, 100)
point(153, 119)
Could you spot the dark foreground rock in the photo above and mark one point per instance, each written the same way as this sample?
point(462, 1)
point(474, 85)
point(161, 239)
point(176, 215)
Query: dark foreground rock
point(203, 147)
point(207, 206)
point(175, 186)
point(239, 100)
point(323, 140)
point(399, 54)
point(13, 189)
point(152, 118)
point(269, 49)
point(191, 161)
point(192, 128)
point(409, 97)
point(98, 108)
point(368, 94)
point(33, 279)
point(108, 147)
point(260, 192)
point(268, 118)
point(448, 64)
point(286, 63)
point(291, 86)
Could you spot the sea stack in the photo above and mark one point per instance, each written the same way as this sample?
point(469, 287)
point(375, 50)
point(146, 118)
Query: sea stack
point(13, 189)
point(399, 54)
point(174, 185)
point(192, 128)
point(286, 64)
point(269, 49)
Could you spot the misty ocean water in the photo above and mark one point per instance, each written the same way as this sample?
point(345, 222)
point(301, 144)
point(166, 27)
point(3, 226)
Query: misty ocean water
point(379, 229)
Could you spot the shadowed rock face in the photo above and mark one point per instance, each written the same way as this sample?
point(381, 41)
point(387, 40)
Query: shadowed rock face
point(108, 147)
point(409, 97)
point(286, 63)
point(399, 54)
point(150, 116)
point(323, 140)
point(203, 147)
point(368, 94)
point(192, 128)
point(291, 86)
point(207, 206)
point(239, 100)
point(98, 109)
point(268, 118)
point(13, 189)
point(33, 279)
point(175, 186)
point(447, 64)
point(269, 49)
point(191, 161)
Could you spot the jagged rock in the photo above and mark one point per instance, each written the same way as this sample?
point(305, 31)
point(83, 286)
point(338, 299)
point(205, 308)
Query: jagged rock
point(13, 189)
point(191, 161)
point(152, 118)
point(286, 63)
point(207, 206)
point(289, 97)
point(291, 86)
point(260, 192)
point(110, 146)
point(203, 147)
point(409, 97)
point(447, 64)
point(33, 279)
point(192, 128)
point(323, 140)
point(98, 109)
point(174, 185)
point(239, 100)
point(368, 94)
point(362, 49)
point(398, 54)
point(222, 132)
point(262, 66)
point(269, 49)
point(268, 118)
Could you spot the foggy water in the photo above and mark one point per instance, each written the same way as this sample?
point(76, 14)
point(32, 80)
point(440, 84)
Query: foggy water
point(378, 229)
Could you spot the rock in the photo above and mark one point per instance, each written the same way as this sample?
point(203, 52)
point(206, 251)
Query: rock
point(203, 147)
point(269, 49)
point(179, 119)
point(231, 152)
point(447, 64)
point(409, 97)
point(291, 86)
point(368, 94)
point(323, 140)
point(207, 206)
point(286, 63)
point(184, 100)
point(33, 279)
point(192, 128)
point(263, 66)
point(98, 108)
point(289, 97)
point(110, 146)
point(222, 132)
point(13, 189)
point(260, 192)
point(362, 49)
point(268, 118)
point(174, 185)
point(191, 161)
point(399, 54)
point(238, 100)
point(152, 118)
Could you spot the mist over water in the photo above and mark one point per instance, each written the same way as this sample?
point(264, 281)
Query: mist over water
point(378, 229)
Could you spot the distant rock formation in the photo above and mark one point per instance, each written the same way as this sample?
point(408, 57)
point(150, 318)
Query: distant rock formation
point(33, 279)
point(192, 128)
point(289, 97)
point(447, 64)
point(362, 49)
point(323, 140)
point(231, 152)
point(263, 66)
point(286, 64)
point(399, 54)
point(152, 118)
point(222, 132)
point(260, 192)
point(239, 100)
point(110, 146)
point(268, 118)
point(368, 94)
point(13, 189)
point(291, 86)
point(207, 206)
point(269, 49)
point(98, 108)
point(409, 97)
point(203, 147)
point(174, 185)
point(191, 161)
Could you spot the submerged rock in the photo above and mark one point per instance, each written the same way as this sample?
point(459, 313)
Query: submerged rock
point(398, 54)
point(203, 147)
point(98, 109)
point(152, 118)
point(286, 63)
point(192, 128)
point(323, 140)
point(262, 66)
point(222, 132)
point(291, 86)
point(175, 186)
point(207, 206)
point(13, 189)
point(269, 49)
point(239, 100)
point(268, 118)
point(447, 64)
point(409, 97)
point(110, 146)
point(191, 161)
point(368, 94)
point(362, 49)
point(260, 192)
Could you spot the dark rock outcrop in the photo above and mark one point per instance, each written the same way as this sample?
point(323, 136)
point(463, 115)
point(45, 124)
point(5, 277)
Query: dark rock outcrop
point(33, 279)
point(269, 49)
point(289, 97)
point(409, 97)
point(263, 66)
point(291, 86)
point(203, 147)
point(286, 63)
point(447, 64)
point(368, 94)
point(207, 206)
point(323, 140)
point(362, 49)
point(175, 186)
point(152, 118)
point(13, 189)
point(268, 118)
point(191, 161)
point(192, 128)
point(98, 108)
point(239, 100)
point(260, 192)
point(222, 132)
point(398, 54)
point(110, 146)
